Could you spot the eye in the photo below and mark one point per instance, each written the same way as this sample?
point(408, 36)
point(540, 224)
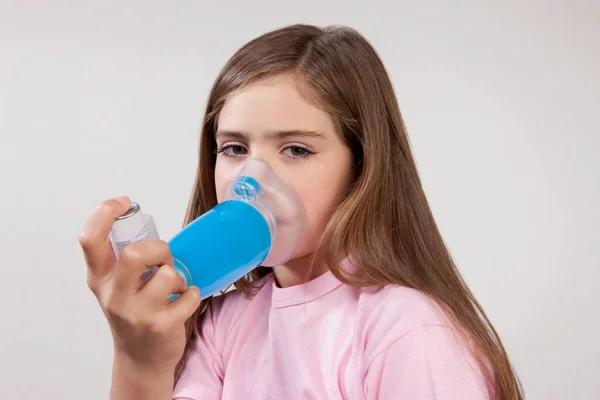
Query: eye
point(297, 152)
point(233, 150)
point(237, 149)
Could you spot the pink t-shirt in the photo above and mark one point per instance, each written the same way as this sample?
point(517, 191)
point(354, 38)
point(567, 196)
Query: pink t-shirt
point(325, 340)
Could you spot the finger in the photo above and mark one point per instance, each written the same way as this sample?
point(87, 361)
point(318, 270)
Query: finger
point(180, 309)
point(166, 281)
point(94, 239)
point(133, 261)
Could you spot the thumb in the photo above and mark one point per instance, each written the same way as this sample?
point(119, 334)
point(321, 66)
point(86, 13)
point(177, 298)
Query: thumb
point(94, 238)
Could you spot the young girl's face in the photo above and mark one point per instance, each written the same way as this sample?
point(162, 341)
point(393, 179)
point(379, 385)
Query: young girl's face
point(271, 120)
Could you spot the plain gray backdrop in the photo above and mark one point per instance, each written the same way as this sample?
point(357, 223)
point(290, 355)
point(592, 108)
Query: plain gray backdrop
point(501, 99)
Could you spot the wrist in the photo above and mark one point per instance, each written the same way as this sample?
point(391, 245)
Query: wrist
point(132, 380)
point(125, 363)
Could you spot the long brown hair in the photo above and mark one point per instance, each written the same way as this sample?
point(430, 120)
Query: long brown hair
point(344, 75)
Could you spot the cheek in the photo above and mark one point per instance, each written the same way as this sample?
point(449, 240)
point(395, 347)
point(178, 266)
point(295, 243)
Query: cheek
point(320, 197)
point(317, 218)
point(224, 175)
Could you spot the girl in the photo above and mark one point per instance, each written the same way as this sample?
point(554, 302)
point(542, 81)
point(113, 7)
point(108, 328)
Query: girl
point(370, 307)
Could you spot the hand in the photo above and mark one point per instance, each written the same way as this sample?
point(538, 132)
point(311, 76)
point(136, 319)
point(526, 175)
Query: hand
point(148, 329)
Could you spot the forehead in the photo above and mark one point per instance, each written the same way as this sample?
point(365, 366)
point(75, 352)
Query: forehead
point(273, 104)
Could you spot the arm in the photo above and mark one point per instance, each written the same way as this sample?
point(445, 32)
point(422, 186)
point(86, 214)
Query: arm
point(129, 382)
point(430, 362)
point(147, 330)
point(200, 380)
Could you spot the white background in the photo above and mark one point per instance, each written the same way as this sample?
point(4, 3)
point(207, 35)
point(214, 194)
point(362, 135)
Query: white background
point(501, 100)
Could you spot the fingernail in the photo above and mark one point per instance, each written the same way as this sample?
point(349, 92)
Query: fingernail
point(123, 200)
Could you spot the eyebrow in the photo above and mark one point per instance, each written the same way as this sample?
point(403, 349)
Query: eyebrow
point(270, 135)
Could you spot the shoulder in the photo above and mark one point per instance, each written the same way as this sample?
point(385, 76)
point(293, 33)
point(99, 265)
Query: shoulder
point(400, 308)
point(388, 314)
point(410, 342)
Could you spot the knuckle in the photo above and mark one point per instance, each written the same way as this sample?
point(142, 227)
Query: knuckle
point(194, 297)
point(142, 323)
point(162, 247)
point(165, 246)
point(197, 299)
point(124, 315)
point(113, 309)
point(131, 254)
point(138, 320)
point(168, 274)
point(156, 327)
point(92, 284)
point(86, 241)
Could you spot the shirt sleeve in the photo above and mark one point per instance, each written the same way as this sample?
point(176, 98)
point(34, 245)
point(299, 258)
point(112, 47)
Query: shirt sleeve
point(202, 375)
point(428, 363)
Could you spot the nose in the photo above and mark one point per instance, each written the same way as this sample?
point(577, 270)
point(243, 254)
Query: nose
point(262, 154)
point(258, 168)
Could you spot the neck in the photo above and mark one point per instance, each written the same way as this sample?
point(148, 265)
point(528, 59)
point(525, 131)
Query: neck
point(298, 271)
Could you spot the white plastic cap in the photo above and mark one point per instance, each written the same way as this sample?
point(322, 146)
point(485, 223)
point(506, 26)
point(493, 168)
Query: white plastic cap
point(129, 225)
